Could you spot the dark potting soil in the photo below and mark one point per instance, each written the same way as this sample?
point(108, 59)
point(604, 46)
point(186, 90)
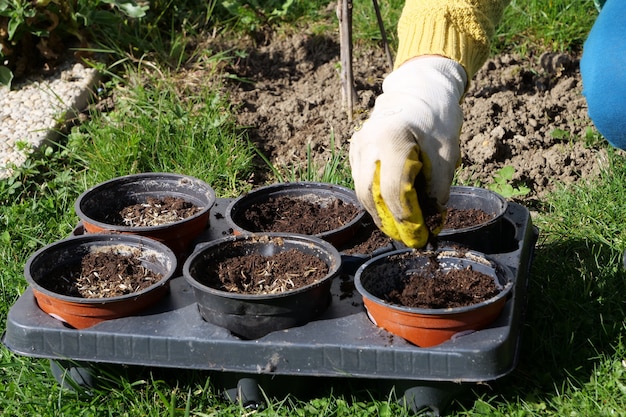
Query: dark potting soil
point(368, 239)
point(157, 211)
point(258, 274)
point(462, 218)
point(298, 215)
point(103, 275)
point(431, 287)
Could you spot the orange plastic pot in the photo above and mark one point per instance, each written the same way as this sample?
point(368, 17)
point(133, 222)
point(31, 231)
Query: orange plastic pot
point(430, 327)
point(80, 312)
point(97, 206)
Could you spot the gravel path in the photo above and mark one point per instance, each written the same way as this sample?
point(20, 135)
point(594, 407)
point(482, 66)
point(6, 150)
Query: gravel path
point(32, 110)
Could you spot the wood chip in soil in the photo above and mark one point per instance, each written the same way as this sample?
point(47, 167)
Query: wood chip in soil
point(157, 211)
point(257, 274)
point(103, 275)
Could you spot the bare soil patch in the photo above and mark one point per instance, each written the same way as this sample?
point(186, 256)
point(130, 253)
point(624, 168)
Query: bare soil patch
point(525, 112)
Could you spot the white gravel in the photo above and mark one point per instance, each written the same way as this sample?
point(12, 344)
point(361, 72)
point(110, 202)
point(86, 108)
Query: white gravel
point(32, 111)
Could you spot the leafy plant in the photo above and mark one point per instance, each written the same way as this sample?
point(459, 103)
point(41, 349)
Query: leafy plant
point(253, 13)
point(502, 183)
point(32, 31)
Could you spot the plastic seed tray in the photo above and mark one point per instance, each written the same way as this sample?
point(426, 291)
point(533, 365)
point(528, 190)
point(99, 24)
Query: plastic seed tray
point(342, 342)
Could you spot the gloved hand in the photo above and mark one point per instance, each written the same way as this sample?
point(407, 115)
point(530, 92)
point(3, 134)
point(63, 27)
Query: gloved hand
point(413, 129)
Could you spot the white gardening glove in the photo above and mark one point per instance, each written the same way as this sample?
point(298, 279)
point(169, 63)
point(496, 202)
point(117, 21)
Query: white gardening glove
point(413, 129)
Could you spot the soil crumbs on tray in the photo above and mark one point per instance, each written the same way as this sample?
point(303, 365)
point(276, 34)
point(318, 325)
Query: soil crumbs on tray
point(298, 215)
point(104, 275)
point(257, 274)
point(157, 211)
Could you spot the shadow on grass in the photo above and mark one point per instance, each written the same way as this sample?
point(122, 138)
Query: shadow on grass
point(574, 316)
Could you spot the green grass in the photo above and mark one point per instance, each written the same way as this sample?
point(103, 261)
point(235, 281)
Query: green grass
point(572, 352)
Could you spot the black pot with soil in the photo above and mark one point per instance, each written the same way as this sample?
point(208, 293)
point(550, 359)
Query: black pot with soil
point(254, 284)
point(327, 211)
point(475, 219)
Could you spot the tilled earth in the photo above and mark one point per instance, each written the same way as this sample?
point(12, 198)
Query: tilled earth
point(524, 112)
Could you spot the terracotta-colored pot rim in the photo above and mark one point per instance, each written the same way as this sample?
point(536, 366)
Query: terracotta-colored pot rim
point(113, 239)
point(285, 188)
point(481, 193)
point(506, 288)
point(322, 245)
point(88, 221)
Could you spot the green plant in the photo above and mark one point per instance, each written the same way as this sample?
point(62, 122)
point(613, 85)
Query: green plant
point(334, 171)
point(502, 183)
point(252, 14)
point(47, 25)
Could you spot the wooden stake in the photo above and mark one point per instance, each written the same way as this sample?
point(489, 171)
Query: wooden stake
point(348, 93)
point(383, 34)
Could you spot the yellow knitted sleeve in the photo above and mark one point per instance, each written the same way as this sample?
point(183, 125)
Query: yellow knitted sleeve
point(458, 29)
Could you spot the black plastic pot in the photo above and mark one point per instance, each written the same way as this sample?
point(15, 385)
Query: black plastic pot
point(85, 312)
point(488, 237)
point(352, 258)
point(251, 316)
point(314, 192)
point(97, 206)
point(423, 326)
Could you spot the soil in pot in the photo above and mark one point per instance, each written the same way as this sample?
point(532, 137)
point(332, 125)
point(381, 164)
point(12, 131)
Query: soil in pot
point(255, 284)
point(155, 212)
point(462, 218)
point(367, 240)
point(297, 215)
point(433, 287)
point(260, 274)
point(103, 275)
point(429, 297)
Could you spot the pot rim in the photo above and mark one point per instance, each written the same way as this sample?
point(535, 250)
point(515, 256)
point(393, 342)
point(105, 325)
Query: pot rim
point(445, 253)
point(204, 211)
point(104, 238)
point(479, 191)
point(333, 270)
point(285, 188)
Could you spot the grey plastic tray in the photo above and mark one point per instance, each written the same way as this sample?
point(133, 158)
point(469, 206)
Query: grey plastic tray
point(340, 343)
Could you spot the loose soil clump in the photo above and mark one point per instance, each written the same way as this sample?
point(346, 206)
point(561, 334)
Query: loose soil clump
point(103, 275)
point(298, 215)
point(157, 211)
point(432, 287)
